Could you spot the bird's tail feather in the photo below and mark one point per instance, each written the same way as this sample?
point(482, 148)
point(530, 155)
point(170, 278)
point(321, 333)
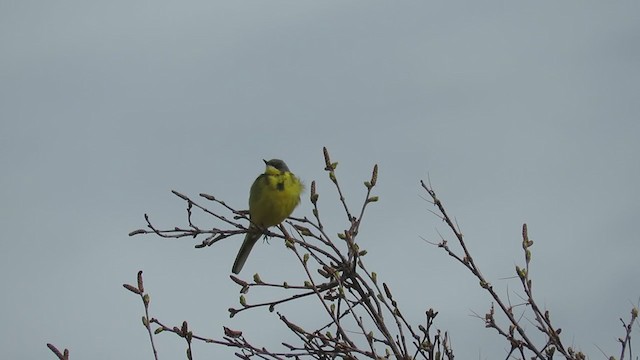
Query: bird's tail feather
point(249, 240)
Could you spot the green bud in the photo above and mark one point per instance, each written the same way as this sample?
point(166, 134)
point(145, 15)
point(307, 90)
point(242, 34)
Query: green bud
point(374, 175)
point(132, 289)
point(289, 243)
point(256, 278)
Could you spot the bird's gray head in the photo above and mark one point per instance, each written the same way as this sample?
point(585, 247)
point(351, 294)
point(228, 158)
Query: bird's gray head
point(278, 164)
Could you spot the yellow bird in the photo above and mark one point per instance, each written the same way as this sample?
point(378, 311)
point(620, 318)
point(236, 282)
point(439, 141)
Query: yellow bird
point(272, 199)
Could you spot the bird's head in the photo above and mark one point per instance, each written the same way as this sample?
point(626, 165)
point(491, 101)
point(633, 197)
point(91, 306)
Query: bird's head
point(276, 165)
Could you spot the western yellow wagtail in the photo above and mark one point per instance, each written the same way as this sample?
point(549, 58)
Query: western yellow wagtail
point(273, 197)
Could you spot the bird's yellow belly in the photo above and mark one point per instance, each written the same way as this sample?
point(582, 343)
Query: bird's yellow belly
point(274, 208)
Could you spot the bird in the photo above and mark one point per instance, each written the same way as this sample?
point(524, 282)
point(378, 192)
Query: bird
point(273, 197)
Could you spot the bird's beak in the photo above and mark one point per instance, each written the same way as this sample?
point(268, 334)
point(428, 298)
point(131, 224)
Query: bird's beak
point(265, 161)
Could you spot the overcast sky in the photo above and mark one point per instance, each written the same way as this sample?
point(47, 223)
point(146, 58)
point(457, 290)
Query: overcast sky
point(518, 112)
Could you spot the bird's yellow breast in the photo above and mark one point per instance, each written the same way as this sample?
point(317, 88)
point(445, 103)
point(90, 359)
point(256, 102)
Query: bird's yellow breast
point(274, 195)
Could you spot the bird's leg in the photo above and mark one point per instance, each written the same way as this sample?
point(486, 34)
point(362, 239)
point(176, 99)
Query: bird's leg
point(266, 238)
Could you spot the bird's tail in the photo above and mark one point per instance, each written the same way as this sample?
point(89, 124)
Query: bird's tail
point(249, 240)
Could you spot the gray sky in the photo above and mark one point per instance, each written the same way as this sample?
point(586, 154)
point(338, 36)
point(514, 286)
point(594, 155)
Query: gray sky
point(519, 112)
